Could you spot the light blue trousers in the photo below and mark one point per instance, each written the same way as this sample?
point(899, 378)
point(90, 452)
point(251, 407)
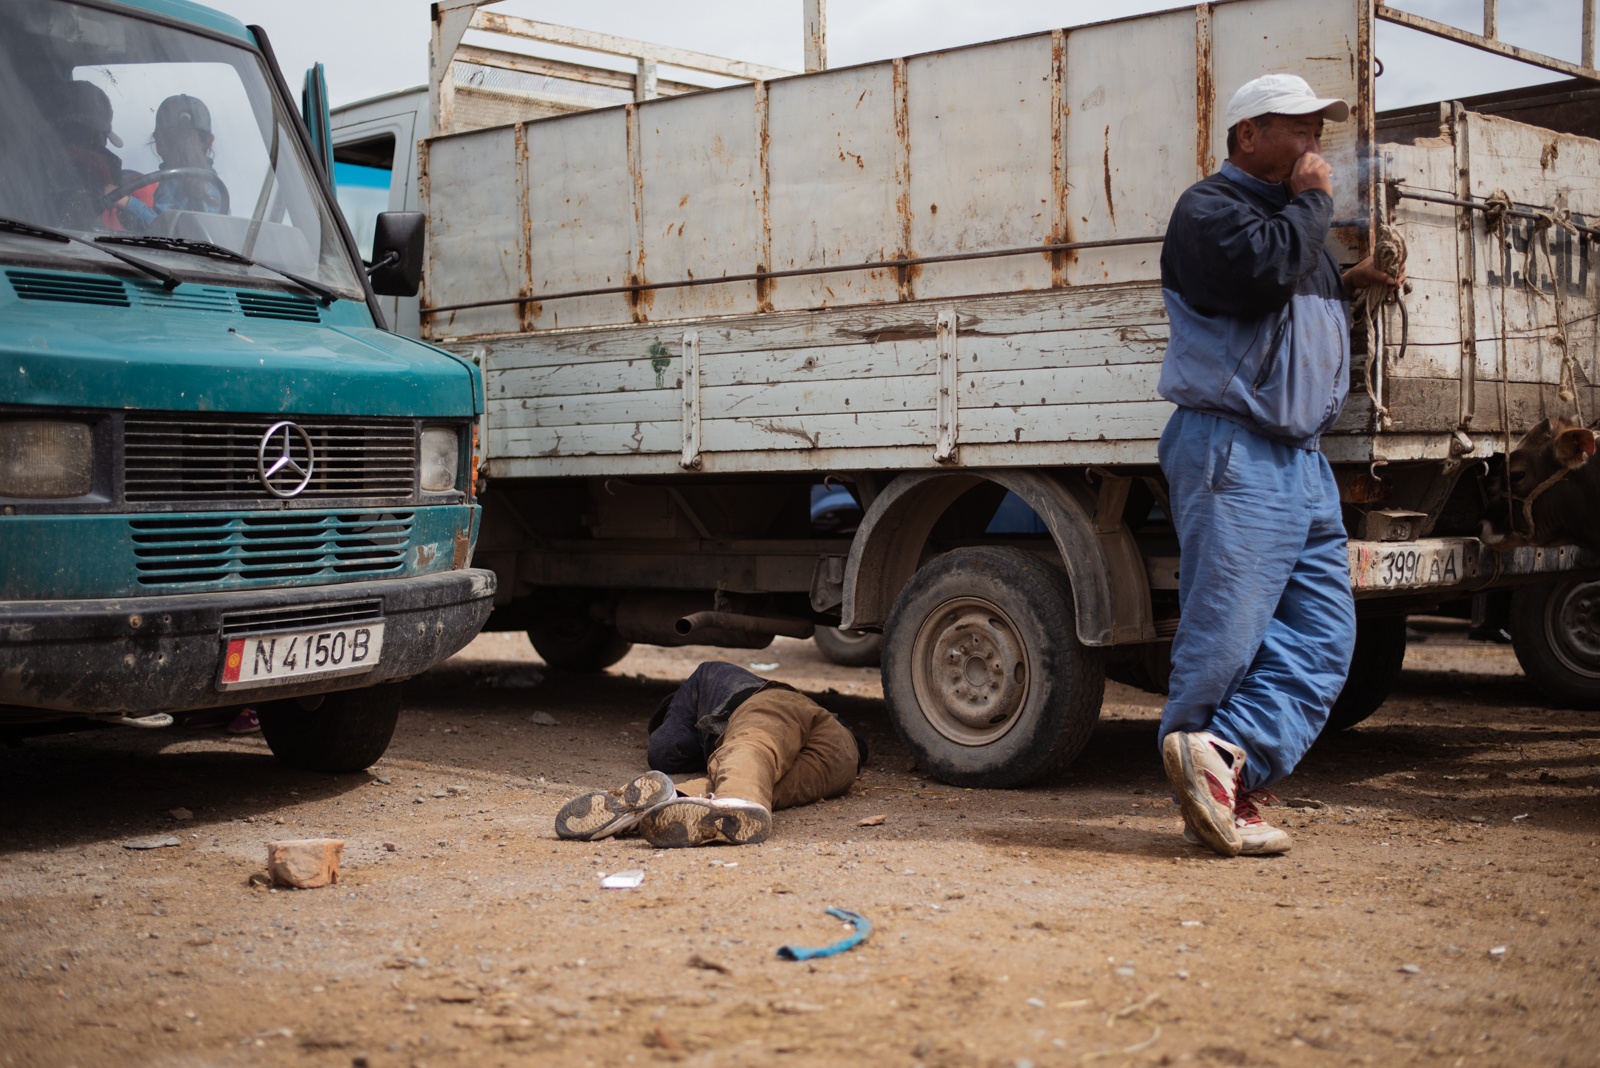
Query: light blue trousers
point(1268, 621)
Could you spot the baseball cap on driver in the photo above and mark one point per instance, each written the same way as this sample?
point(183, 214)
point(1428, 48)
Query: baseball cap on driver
point(1281, 94)
point(183, 110)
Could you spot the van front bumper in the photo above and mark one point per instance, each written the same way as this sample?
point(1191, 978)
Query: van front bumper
point(140, 655)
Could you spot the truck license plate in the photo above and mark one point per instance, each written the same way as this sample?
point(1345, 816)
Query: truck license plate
point(268, 659)
point(1406, 565)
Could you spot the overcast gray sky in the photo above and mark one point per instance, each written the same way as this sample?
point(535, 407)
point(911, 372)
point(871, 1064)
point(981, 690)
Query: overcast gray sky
point(375, 46)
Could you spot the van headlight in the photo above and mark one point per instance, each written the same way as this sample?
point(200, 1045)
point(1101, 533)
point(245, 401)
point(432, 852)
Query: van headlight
point(45, 458)
point(441, 458)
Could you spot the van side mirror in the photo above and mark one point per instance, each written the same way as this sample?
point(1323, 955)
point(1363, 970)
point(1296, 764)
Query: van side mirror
point(396, 269)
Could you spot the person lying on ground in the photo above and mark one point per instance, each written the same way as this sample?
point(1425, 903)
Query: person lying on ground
point(762, 745)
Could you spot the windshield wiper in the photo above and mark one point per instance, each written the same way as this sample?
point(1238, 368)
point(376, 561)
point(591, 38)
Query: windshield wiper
point(217, 252)
point(27, 229)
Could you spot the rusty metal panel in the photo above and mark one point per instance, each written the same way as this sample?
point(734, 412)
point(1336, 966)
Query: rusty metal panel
point(699, 212)
point(579, 196)
point(1128, 157)
point(978, 124)
point(832, 181)
point(1541, 286)
point(475, 241)
point(1433, 327)
point(1318, 40)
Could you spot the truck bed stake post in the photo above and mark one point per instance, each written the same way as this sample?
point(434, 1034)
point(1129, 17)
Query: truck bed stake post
point(816, 35)
point(644, 80)
point(945, 450)
point(1587, 53)
point(691, 400)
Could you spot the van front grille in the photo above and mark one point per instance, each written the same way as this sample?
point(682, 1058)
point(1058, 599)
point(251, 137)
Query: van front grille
point(262, 549)
point(189, 458)
point(301, 617)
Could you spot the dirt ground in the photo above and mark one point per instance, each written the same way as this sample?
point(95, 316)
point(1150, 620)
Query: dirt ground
point(1441, 904)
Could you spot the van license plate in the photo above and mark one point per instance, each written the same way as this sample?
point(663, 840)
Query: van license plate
point(269, 659)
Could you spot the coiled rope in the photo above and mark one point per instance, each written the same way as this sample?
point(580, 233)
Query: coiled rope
point(1497, 209)
point(1388, 256)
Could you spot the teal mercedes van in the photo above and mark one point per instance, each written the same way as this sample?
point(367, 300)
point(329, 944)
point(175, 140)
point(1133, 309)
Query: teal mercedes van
point(223, 481)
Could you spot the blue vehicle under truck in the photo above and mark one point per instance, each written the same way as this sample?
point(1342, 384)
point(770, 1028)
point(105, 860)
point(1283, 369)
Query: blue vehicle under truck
point(223, 481)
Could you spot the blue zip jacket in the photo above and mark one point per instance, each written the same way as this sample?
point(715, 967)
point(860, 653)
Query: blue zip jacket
point(1260, 326)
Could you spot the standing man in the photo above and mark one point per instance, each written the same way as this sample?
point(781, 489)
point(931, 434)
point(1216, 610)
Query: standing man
point(1258, 363)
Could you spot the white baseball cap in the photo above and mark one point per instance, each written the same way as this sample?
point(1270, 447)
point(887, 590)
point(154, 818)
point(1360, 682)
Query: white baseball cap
point(1281, 94)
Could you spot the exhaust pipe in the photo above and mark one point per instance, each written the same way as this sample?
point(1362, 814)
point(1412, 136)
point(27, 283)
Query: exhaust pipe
point(700, 623)
point(678, 619)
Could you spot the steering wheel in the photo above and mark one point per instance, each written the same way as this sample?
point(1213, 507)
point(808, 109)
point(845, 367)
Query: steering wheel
point(152, 177)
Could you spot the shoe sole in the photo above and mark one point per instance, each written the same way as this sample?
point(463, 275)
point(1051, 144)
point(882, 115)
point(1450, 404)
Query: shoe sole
point(1246, 849)
point(1210, 823)
point(601, 814)
point(693, 822)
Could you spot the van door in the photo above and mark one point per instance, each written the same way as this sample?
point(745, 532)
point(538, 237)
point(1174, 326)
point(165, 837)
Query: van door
point(374, 167)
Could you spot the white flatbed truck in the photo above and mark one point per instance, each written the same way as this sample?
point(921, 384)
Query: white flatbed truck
point(935, 280)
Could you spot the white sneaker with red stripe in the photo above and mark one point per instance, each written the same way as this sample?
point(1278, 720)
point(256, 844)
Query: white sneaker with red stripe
point(1257, 837)
point(1204, 772)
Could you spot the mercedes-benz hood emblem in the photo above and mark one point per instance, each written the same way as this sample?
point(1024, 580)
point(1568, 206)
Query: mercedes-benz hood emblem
point(285, 459)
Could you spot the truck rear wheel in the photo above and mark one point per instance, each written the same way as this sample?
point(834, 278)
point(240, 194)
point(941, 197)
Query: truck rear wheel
point(344, 731)
point(578, 644)
point(983, 673)
point(849, 648)
point(1555, 631)
point(1374, 671)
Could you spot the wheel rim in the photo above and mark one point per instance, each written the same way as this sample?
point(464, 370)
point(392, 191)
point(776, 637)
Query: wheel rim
point(1572, 627)
point(970, 671)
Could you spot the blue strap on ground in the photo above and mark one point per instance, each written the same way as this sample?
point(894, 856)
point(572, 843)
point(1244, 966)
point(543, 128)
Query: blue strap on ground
point(863, 928)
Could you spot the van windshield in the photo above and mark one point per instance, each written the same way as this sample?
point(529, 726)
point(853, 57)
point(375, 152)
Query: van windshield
point(117, 127)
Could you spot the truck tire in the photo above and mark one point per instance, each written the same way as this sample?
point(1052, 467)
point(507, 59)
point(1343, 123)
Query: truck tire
point(344, 731)
point(1555, 632)
point(1146, 667)
point(1374, 671)
point(849, 648)
point(983, 673)
point(578, 644)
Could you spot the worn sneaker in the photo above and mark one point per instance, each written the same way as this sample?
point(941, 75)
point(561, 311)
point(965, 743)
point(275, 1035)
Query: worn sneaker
point(1257, 837)
point(608, 812)
point(1204, 772)
point(698, 821)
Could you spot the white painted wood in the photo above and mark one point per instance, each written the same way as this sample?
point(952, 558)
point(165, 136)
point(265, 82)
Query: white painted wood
point(823, 461)
point(1056, 385)
point(1133, 313)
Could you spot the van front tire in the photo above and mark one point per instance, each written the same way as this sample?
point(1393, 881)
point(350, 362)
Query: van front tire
point(337, 732)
